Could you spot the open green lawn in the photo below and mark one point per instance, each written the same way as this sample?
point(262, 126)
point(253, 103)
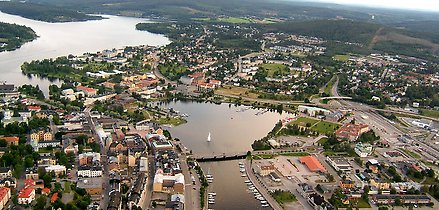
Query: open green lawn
point(363, 204)
point(296, 154)
point(67, 187)
point(283, 196)
point(201, 19)
point(328, 87)
point(276, 70)
point(322, 141)
point(234, 20)
point(411, 153)
point(429, 113)
point(172, 121)
point(324, 127)
point(342, 58)
point(302, 121)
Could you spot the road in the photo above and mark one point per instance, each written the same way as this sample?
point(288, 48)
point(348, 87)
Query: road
point(104, 161)
point(264, 192)
point(157, 72)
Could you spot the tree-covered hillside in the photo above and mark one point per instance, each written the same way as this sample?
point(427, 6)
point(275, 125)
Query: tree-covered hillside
point(12, 36)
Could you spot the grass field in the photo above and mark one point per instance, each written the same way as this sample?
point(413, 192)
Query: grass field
point(429, 113)
point(237, 91)
point(324, 127)
point(342, 58)
point(295, 154)
point(328, 87)
point(276, 70)
point(67, 187)
point(172, 121)
point(322, 141)
point(302, 121)
point(283, 196)
point(411, 154)
point(234, 20)
point(201, 19)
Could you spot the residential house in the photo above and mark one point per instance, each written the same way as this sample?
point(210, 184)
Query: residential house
point(26, 196)
point(5, 195)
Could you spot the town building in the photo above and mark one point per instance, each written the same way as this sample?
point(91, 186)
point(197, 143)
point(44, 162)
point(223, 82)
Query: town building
point(363, 150)
point(313, 111)
point(339, 164)
point(41, 135)
point(89, 171)
point(11, 140)
point(93, 186)
point(351, 131)
point(5, 172)
point(264, 168)
point(57, 169)
point(168, 183)
point(347, 184)
point(404, 199)
point(89, 92)
point(5, 195)
point(26, 196)
point(312, 163)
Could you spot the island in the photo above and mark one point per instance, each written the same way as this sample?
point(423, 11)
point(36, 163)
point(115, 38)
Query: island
point(12, 36)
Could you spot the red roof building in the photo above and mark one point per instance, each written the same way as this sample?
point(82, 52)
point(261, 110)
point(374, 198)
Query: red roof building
point(351, 131)
point(5, 195)
point(45, 191)
point(11, 139)
point(34, 108)
point(54, 197)
point(87, 90)
point(26, 196)
point(29, 183)
point(312, 163)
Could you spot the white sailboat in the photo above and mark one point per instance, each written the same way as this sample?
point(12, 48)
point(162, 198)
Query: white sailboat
point(208, 138)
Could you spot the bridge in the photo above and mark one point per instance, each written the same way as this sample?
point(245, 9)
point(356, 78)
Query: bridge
point(219, 157)
point(336, 97)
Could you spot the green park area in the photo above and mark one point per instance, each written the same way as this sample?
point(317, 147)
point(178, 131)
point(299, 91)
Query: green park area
point(237, 91)
point(342, 58)
point(429, 113)
point(275, 70)
point(303, 121)
point(283, 196)
point(322, 127)
point(325, 127)
point(174, 121)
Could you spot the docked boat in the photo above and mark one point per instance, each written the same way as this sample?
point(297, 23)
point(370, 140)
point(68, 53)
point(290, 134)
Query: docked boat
point(212, 193)
point(265, 205)
point(247, 181)
point(243, 175)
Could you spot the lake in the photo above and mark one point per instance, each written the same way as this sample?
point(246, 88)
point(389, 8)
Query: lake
point(61, 39)
point(232, 130)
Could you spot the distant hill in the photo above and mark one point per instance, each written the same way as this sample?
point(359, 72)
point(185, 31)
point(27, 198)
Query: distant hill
point(44, 12)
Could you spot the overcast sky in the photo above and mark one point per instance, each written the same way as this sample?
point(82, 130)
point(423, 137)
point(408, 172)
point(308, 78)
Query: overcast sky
point(428, 5)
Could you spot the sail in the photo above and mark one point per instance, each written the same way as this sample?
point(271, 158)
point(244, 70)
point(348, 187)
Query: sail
point(208, 137)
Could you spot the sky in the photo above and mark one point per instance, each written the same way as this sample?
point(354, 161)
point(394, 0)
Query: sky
point(426, 5)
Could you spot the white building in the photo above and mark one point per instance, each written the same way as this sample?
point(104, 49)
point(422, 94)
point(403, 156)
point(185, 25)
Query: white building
point(57, 169)
point(363, 150)
point(90, 171)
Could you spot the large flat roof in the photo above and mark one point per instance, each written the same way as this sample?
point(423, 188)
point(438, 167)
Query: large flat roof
point(312, 163)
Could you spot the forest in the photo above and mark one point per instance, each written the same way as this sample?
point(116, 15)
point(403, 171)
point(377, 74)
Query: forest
point(12, 36)
point(44, 12)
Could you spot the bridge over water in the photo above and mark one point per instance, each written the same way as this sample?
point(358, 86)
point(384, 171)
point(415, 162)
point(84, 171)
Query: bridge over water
point(219, 157)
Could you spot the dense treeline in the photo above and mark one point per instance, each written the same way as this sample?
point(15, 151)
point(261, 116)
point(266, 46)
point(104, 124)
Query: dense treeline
point(341, 30)
point(12, 36)
point(58, 68)
point(44, 12)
